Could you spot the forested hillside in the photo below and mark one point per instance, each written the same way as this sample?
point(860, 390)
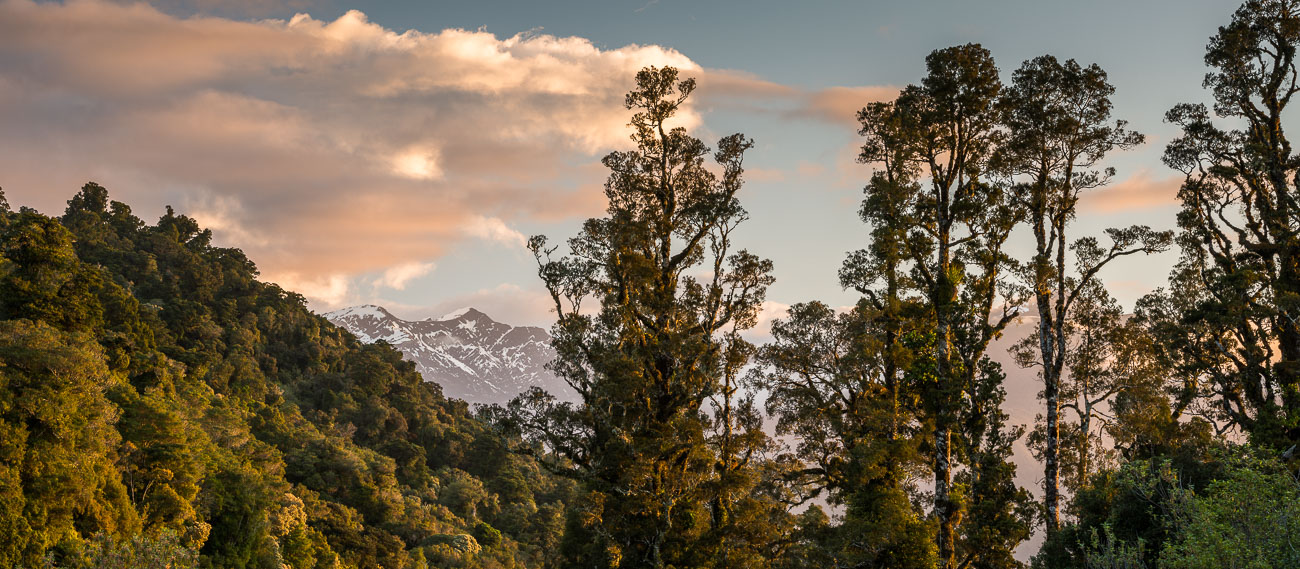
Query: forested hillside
point(160, 404)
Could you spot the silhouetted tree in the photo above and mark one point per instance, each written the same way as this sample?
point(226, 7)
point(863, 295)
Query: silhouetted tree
point(1059, 129)
point(957, 220)
point(669, 284)
point(1241, 222)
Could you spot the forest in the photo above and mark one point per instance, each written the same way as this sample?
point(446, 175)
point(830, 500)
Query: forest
point(161, 407)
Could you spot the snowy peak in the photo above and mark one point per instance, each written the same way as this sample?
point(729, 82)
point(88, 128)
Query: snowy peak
point(472, 356)
point(360, 312)
point(467, 313)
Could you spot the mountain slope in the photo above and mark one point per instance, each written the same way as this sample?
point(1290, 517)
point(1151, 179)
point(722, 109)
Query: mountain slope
point(472, 356)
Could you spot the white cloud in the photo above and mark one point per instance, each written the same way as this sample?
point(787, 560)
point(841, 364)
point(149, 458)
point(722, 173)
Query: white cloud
point(328, 148)
point(396, 278)
point(223, 214)
point(494, 229)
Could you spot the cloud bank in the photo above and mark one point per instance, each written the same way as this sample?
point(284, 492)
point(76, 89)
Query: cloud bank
point(327, 149)
point(345, 158)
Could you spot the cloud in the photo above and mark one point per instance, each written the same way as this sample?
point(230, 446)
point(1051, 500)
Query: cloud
point(507, 302)
point(396, 278)
point(222, 214)
point(841, 104)
point(332, 290)
point(494, 229)
point(326, 149)
point(1139, 191)
point(746, 91)
point(418, 163)
point(730, 85)
point(810, 169)
point(756, 174)
point(771, 310)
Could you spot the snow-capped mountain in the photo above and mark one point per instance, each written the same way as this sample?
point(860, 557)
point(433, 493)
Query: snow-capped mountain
point(472, 356)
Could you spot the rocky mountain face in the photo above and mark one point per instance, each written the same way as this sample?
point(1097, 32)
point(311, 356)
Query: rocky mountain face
point(470, 355)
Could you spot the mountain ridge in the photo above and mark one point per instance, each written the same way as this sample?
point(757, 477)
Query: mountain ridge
point(471, 355)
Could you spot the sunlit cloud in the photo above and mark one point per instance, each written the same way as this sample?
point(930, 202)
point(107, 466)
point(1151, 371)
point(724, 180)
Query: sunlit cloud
point(331, 290)
point(494, 229)
point(327, 149)
point(396, 278)
point(334, 151)
point(755, 174)
point(233, 8)
point(770, 311)
point(419, 164)
point(223, 214)
point(841, 104)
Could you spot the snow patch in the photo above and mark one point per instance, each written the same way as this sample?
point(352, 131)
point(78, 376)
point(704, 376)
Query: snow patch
point(363, 311)
point(455, 314)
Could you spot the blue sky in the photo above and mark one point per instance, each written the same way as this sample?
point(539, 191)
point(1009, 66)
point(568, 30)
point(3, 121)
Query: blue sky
point(361, 164)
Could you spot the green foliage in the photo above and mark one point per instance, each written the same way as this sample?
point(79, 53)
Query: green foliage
point(159, 404)
point(1224, 508)
point(1105, 552)
point(856, 424)
point(941, 215)
point(166, 550)
point(59, 480)
point(1249, 519)
point(662, 480)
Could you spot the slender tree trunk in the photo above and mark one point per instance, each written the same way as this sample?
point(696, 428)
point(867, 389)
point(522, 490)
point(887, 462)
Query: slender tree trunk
point(942, 501)
point(893, 372)
point(1045, 287)
point(1086, 436)
point(1054, 354)
point(1051, 393)
point(944, 302)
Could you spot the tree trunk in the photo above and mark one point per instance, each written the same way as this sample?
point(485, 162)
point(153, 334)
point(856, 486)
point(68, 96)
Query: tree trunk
point(942, 502)
point(944, 303)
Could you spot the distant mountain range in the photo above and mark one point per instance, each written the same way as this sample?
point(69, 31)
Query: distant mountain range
point(472, 356)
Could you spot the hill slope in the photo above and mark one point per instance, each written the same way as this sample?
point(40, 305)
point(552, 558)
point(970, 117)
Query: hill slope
point(157, 399)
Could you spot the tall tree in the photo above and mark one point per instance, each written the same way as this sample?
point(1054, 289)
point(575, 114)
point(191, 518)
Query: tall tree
point(828, 383)
point(646, 361)
point(1241, 222)
point(948, 127)
point(1059, 130)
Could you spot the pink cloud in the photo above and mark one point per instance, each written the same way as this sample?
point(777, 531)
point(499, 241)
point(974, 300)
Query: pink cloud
point(1137, 192)
point(836, 105)
point(841, 104)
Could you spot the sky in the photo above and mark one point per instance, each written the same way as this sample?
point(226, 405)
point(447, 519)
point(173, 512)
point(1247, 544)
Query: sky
point(399, 153)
